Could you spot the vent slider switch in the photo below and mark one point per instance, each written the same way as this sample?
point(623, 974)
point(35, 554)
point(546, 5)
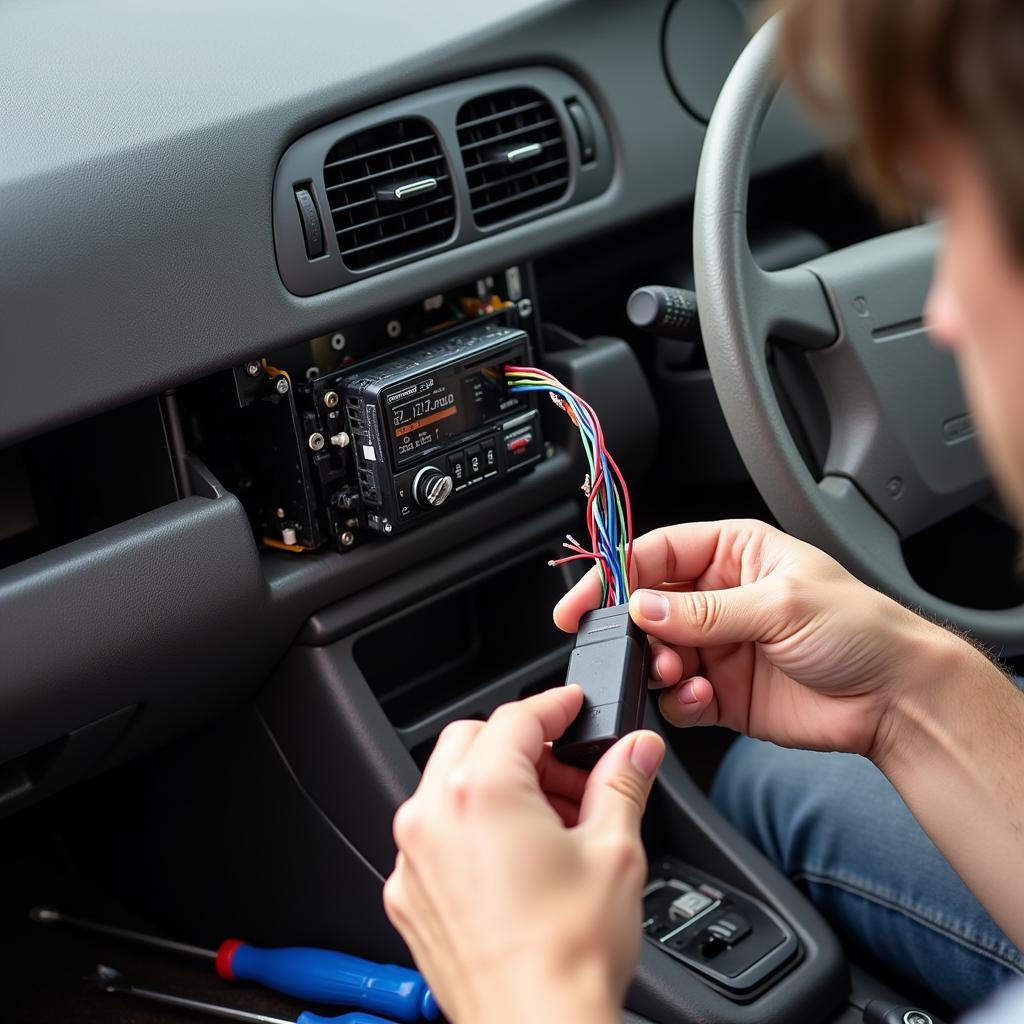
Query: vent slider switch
point(312, 229)
point(584, 130)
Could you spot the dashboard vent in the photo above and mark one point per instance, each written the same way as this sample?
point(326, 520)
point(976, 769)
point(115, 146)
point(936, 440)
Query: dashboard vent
point(390, 193)
point(514, 153)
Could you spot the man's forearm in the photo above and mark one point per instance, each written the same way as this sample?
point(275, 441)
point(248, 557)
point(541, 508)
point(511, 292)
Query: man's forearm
point(953, 746)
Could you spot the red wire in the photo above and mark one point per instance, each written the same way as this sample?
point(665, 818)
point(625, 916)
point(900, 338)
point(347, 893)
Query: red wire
point(599, 434)
point(590, 556)
point(595, 487)
point(597, 490)
point(581, 550)
point(574, 558)
point(629, 515)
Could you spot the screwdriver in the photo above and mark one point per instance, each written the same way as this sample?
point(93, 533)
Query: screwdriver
point(107, 979)
point(319, 975)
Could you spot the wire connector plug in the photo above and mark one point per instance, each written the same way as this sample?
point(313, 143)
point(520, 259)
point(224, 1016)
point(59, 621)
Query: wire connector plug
point(610, 662)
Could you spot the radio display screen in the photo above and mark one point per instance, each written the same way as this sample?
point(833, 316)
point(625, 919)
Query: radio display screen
point(425, 413)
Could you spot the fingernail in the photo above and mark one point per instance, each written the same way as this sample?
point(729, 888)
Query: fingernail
point(686, 693)
point(652, 605)
point(648, 750)
point(655, 671)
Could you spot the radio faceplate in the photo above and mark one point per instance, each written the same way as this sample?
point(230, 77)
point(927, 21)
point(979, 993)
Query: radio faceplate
point(435, 423)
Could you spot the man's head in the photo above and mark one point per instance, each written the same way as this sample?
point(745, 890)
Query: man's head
point(935, 93)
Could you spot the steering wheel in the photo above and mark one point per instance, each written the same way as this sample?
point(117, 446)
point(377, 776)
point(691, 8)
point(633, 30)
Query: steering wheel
point(902, 453)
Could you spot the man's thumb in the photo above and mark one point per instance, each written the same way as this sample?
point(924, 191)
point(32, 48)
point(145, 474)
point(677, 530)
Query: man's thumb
point(618, 787)
point(703, 618)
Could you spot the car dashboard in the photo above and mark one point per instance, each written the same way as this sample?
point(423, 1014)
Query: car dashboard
point(154, 242)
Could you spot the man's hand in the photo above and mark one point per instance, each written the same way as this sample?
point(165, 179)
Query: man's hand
point(767, 635)
point(762, 633)
point(518, 879)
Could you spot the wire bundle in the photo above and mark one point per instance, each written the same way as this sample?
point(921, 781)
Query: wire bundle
point(609, 516)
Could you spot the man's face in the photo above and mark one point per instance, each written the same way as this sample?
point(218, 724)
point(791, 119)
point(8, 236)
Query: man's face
point(976, 308)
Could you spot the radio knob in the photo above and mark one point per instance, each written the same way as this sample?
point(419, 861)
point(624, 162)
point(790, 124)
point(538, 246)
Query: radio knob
point(431, 487)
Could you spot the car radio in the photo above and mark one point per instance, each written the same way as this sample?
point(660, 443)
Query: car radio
point(433, 423)
point(381, 426)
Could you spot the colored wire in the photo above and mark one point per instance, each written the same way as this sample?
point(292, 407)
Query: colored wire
point(609, 515)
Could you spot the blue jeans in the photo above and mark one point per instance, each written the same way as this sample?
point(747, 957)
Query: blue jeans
point(834, 824)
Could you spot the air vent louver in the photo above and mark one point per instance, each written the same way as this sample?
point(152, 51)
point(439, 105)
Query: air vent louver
point(390, 193)
point(514, 153)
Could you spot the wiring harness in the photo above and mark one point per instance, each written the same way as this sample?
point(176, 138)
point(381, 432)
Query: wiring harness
point(609, 516)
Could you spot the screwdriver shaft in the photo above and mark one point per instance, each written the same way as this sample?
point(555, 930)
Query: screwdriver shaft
point(211, 1009)
point(48, 915)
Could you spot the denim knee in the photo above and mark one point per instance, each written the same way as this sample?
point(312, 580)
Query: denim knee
point(838, 828)
point(782, 799)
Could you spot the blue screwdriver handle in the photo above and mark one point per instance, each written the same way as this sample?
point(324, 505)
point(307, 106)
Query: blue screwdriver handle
point(346, 1018)
point(325, 976)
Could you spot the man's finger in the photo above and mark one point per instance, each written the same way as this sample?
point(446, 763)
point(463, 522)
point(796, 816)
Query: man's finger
point(559, 779)
point(671, 664)
point(673, 554)
point(692, 702)
point(520, 729)
point(567, 810)
point(620, 783)
point(666, 666)
point(707, 618)
point(452, 745)
point(583, 598)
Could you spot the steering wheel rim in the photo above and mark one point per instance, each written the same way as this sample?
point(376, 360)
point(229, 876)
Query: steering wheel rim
point(844, 309)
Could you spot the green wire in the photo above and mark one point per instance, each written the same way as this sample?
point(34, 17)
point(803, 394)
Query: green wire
point(600, 498)
point(593, 473)
point(622, 542)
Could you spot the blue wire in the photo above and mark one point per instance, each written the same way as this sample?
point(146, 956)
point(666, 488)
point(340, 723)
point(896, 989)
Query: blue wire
point(610, 530)
point(608, 533)
point(611, 537)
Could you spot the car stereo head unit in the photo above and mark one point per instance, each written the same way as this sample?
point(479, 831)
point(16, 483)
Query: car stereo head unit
point(434, 423)
point(380, 426)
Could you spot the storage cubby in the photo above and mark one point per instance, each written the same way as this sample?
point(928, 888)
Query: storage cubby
point(464, 651)
point(83, 478)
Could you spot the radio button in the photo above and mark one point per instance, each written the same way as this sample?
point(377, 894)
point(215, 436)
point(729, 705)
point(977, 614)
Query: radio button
point(490, 454)
point(457, 468)
point(522, 444)
point(475, 461)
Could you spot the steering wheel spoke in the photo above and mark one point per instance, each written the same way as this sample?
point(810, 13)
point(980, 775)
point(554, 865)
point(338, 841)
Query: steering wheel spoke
point(795, 308)
point(900, 426)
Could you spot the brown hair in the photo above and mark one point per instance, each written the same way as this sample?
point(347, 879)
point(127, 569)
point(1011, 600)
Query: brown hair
point(900, 69)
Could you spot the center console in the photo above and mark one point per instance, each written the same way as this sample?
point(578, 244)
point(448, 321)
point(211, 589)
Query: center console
point(737, 943)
